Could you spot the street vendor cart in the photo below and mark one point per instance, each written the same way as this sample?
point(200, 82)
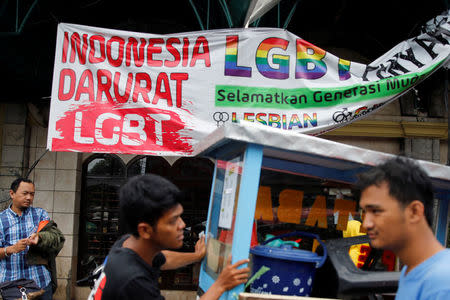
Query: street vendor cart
point(271, 183)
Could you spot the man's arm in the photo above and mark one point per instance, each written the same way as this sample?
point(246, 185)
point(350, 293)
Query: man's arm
point(175, 260)
point(16, 248)
point(49, 239)
point(230, 277)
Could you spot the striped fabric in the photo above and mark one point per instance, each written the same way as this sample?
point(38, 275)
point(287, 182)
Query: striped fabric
point(12, 229)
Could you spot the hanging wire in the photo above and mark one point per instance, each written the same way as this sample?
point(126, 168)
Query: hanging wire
point(197, 14)
point(17, 15)
point(35, 163)
point(19, 29)
point(291, 13)
point(279, 14)
point(207, 15)
point(226, 12)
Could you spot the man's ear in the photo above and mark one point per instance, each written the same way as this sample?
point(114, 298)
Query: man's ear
point(11, 194)
point(415, 211)
point(145, 230)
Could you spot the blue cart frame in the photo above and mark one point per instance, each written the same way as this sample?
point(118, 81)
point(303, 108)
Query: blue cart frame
point(279, 150)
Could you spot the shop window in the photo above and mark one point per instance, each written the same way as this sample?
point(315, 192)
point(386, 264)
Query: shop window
point(148, 164)
point(103, 175)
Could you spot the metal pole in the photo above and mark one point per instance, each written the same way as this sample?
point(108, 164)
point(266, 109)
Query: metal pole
point(448, 115)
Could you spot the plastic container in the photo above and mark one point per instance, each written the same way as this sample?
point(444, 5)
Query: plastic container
point(284, 270)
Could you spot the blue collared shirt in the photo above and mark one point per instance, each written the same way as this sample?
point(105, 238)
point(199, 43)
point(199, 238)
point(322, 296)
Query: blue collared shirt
point(12, 229)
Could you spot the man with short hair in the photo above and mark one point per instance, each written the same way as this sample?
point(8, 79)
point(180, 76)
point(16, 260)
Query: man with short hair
point(150, 207)
point(19, 235)
point(397, 198)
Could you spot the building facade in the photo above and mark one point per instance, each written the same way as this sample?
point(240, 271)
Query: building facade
point(79, 190)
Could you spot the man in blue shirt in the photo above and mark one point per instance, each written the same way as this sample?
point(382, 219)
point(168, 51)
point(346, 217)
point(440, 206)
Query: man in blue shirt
point(397, 198)
point(18, 231)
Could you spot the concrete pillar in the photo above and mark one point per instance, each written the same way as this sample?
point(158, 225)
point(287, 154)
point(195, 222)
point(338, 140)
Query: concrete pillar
point(436, 151)
point(423, 149)
point(14, 138)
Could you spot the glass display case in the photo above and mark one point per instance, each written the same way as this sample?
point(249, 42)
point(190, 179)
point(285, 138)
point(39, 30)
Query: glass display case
point(269, 182)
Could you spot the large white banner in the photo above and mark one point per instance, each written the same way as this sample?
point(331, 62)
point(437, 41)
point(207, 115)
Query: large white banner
point(128, 92)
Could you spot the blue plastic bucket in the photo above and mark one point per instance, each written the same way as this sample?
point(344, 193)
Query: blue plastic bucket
point(284, 270)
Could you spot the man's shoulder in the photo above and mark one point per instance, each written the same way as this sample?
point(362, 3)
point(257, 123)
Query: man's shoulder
point(439, 272)
point(136, 276)
point(38, 209)
point(119, 257)
point(441, 260)
point(437, 282)
point(5, 215)
point(134, 287)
